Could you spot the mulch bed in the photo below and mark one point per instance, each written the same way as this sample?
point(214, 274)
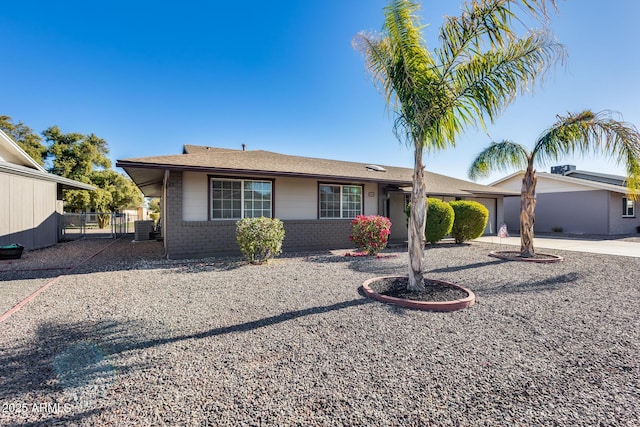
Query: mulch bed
point(434, 290)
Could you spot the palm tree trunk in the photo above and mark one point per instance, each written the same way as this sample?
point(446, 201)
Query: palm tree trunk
point(527, 213)
point(417, 221)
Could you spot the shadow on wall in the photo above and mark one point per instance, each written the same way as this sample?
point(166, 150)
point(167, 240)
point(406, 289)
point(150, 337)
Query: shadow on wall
point(37, 236)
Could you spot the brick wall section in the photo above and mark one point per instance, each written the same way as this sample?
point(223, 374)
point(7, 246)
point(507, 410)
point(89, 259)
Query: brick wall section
point(173, 214)
point(199, 239)
point(316, 234)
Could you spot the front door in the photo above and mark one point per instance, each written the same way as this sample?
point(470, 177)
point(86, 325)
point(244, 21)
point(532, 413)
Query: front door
point(396, 206)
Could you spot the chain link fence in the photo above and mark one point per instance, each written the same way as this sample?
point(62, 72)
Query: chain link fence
point(96, 225)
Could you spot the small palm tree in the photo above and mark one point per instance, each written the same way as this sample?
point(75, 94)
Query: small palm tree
point(572, 134)
point(478, 69)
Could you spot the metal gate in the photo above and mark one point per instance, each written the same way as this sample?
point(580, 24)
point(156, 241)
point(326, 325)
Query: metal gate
point(95, 225)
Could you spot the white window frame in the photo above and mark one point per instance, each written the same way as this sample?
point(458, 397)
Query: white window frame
point(342, 207)
point(242, 196)
point(625, 205)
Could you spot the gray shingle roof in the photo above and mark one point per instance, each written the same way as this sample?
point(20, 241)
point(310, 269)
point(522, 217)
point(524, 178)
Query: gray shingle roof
point(598, 177)
point(266, 163)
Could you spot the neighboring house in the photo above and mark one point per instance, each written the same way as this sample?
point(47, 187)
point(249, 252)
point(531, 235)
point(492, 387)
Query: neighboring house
point(136, 214)
point(31, 198)
point(205, 190)
point(574, 201)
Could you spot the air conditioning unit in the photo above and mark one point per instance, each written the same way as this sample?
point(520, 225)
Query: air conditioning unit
point(562, 170)
point(143, 230)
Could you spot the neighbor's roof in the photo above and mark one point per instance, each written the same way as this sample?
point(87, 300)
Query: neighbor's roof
point(604, 178)
point(15, 161)
point(588, 179)
point(11, 152)
point(148, 172)
point(66, 183)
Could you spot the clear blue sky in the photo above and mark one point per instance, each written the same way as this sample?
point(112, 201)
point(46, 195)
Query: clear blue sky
point(279, 75)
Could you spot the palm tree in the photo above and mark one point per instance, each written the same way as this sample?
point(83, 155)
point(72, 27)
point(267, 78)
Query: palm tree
point(478, 69)
point(573, 134)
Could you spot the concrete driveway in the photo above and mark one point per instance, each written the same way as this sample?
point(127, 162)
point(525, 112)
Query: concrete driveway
point(577, 244)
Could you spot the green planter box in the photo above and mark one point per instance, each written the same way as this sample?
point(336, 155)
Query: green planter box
point(13, 251)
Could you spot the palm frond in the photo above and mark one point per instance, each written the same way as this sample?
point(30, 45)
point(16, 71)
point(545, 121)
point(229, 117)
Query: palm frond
point(490, 81)
point(376, 52)
point(598, 133)
point(484, 25)
point(401, 68)
point(463, 35)
point(480, 68)
point(499, 156)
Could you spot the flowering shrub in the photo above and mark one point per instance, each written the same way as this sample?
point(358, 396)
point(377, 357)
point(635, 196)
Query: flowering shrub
point(260, 239)
point(370, 233)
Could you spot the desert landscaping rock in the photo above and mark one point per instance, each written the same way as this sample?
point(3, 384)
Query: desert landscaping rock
point(130, 339)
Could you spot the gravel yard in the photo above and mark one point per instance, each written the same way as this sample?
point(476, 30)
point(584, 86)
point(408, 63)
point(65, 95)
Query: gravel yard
point(129, 339)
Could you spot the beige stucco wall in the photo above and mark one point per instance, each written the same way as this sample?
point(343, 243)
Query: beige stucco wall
point(294, 198)
point(194, 196)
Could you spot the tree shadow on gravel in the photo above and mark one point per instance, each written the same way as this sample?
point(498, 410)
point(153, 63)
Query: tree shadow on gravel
point(452, 269)
point(327, 259)
point(73, 363)
point(379, 267)
point(555, 283)
point(115, 259)
point(385, 264)
point(67, 365)
point(32, 274)
point(445, 245)
point(253, 325)
point(58, 419)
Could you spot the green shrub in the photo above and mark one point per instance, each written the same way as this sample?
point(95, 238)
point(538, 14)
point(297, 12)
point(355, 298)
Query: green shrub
point(370, 233)
point(470, 220)
point(155, 216)
point(440, 217)
point(260, 239)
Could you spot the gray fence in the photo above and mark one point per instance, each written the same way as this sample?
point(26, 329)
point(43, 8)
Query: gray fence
point(95, 225)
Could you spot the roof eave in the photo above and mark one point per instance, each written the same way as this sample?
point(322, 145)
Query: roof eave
point(252, 172)
point(66, 183)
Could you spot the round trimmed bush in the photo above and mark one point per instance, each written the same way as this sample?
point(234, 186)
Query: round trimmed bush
point(440, 217)
point(260, 239)
point(470, 220)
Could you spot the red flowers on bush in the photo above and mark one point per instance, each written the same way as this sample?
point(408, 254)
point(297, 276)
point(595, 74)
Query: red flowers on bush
point(370, 233)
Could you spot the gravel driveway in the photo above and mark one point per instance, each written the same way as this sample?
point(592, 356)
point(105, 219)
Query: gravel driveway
point(129, 339)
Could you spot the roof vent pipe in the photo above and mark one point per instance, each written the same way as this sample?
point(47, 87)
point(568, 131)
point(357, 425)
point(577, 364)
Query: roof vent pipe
point(244, 146)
